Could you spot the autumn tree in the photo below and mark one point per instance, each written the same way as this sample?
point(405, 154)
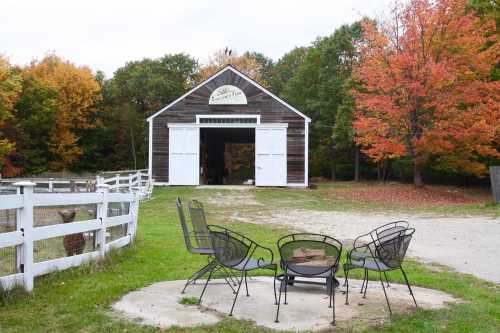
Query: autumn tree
point(56, 108)
point(248, 63)
point(425, 90)
point(10, 88)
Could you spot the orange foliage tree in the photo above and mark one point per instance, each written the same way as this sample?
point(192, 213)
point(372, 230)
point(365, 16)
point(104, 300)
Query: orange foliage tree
point(76, 93)
point(10, 88)
point(244, 63)
point(424, 88)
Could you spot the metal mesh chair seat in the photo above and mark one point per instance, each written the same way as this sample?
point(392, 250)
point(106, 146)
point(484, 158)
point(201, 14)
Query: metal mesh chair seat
point(252, 264)
point(356, 255)
point(375, 265)
point(205, 251)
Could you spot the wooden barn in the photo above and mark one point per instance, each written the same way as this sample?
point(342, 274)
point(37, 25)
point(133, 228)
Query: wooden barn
point(229, 130)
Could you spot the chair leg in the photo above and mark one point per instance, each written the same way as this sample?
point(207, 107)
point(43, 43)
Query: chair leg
point(346, 272)
point(237, 292)
point(332, 298)
point(230, 284)
point(231, 276)
point(205, 286)
point(387, 280)
point(274, 285)
point(279, 300)
point(385, 293)
point(286, 289)
point(199, 273)
point(365, 278)
point(246, 284)
point(329, 289)
point(408, 284)
point(366, 284)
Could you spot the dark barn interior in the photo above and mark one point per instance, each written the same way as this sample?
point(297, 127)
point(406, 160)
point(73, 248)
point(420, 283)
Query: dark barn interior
point(227, 155)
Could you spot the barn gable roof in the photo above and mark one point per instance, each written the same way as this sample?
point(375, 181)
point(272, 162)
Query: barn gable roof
point(237, 72)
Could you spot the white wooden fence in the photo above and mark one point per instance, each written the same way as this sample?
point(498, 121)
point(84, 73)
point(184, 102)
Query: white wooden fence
point(24, 202)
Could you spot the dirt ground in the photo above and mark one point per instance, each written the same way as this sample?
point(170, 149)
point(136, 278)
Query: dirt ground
point(468, 244)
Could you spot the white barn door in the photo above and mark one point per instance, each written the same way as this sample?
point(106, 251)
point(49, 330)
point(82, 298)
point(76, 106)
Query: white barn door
point(270, 156)
point(184, 156)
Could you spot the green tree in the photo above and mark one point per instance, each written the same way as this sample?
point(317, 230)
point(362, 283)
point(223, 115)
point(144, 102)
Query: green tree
point(285, 68)
point(319, 88)
point(136, 91)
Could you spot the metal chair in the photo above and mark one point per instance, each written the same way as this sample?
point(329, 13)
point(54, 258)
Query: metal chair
point(196, 239)
point(359, 251)
point(309, 255)
point(385, 254)
point(237, 252)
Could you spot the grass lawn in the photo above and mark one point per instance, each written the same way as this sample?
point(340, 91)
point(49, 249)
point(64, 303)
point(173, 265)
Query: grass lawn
point(78, 300)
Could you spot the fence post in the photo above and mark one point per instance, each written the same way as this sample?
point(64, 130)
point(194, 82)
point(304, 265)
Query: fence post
point(117, 180)
point(130, 183)
point(25, 225)
point(102, 214)
point(139, 181)
point(134, 215)
point(51, 185)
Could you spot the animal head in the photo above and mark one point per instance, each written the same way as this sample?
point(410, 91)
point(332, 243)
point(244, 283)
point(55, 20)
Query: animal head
point(67, 216)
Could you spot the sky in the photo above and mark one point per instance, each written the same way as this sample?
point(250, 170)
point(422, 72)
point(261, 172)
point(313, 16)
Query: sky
point(105, 34)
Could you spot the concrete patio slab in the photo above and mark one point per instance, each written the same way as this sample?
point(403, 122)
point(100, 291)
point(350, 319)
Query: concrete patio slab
point(307, 309)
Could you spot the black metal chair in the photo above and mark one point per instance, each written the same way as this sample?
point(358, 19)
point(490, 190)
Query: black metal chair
point(237, 252)
point(385, 254)
point(306, 255)
point(359, 251)
point(197, 240)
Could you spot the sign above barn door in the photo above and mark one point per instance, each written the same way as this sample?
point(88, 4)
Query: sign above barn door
point(227, 95)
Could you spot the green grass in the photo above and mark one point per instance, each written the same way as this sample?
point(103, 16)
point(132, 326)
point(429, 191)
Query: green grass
point(79, 300)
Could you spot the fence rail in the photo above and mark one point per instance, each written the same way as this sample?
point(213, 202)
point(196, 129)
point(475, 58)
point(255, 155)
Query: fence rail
point(27, 233)
point(125, 180)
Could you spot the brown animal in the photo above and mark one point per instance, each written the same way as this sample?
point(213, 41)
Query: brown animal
point(75, 243)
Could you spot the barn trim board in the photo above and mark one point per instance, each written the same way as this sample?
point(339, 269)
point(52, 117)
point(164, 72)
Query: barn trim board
point(281, 131)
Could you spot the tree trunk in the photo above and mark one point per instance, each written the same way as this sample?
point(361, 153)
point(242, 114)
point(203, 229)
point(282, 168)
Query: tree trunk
point(356, 164)
point(132, 141)
point(386, 170)
point(417, 175)
point(334, 164)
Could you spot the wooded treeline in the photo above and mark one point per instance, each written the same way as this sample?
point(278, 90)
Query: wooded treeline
point(415, 95)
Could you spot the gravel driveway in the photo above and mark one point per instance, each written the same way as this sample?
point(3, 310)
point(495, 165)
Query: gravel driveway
point(466, 244)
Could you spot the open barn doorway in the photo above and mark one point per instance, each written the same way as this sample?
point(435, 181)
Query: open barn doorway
point(227, 156)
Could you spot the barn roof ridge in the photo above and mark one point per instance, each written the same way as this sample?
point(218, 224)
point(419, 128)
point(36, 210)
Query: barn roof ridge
point(244, 76)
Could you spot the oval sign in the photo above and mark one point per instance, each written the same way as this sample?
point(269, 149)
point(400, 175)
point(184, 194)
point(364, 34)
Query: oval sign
point(227, 94)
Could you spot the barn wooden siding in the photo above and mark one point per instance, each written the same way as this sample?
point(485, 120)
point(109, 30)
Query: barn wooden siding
point(259, 103)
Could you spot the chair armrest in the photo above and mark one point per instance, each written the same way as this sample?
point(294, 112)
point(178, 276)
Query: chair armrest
point(266, 249)
point(357, 239)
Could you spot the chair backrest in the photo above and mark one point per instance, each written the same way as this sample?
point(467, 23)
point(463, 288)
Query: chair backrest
point(309, 254)
point(199, 224)
point(184, 226)
point(230, 248)
point(381, 233)
point(391, 250)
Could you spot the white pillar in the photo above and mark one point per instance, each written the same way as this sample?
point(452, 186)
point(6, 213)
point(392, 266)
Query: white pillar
point(25, 225)
point(102, 214)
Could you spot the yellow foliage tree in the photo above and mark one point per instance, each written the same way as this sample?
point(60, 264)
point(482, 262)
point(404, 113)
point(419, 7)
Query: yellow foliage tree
point(244, 63)
point(76, 93)
point(10, 89)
